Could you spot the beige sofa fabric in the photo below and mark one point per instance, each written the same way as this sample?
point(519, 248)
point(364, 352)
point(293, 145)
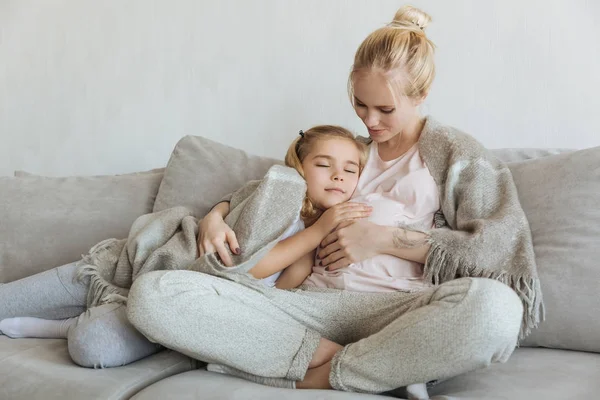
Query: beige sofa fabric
point(561, 198)
point(42, 369)
point(200, 172)
point(530, 374)
point(46, 222)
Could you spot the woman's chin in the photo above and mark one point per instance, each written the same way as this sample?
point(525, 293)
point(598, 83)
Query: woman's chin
point(379, 138)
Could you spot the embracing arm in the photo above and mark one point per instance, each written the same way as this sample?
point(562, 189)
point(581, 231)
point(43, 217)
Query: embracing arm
point(405, 244)
point(356, 241)
point(214, 234)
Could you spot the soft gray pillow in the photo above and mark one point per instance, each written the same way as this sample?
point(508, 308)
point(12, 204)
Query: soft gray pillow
point(515, 154)
point(561, 198)
point(47, 222)
point(200, 172)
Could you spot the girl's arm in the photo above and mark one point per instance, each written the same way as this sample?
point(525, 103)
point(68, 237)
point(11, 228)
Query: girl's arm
point(296, 273)
point(289, 251)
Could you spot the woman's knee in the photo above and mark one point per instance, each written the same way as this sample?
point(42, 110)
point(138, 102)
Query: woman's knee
point(498, 309)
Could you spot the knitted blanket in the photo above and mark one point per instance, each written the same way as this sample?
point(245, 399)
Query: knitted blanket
point(260, 212)
point(481, 230)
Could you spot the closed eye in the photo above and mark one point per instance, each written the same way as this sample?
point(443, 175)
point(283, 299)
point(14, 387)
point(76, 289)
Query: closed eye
point(352, 172)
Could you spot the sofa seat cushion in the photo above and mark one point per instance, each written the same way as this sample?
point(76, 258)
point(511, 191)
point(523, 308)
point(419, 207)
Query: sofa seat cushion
point(42, 369)
point(529, 374)
point(205, 385)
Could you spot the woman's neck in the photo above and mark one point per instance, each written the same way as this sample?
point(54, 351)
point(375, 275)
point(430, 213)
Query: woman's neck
point(402, 142)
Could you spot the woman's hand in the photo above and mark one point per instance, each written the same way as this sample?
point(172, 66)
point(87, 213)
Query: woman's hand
point(347, 211)
point(213, 235)
point(353, 242)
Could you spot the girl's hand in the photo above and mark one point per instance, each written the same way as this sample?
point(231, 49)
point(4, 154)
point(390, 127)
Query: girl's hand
point(213, 235)
point(352, 242)
point(347, 211)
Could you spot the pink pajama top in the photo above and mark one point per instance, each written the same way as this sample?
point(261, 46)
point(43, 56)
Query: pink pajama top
point(401, 192)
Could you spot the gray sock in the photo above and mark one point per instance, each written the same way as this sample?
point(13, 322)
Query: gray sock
point(275, 382)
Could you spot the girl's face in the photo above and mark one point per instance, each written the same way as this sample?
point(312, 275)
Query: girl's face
point(384, 114)
point(331, 171)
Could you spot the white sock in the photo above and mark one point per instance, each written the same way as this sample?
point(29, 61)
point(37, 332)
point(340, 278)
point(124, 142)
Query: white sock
point(29, 327)
point(275, 382)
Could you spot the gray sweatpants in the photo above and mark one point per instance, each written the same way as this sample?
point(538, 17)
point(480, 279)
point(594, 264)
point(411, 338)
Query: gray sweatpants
point(102, 336)
point(391, 339)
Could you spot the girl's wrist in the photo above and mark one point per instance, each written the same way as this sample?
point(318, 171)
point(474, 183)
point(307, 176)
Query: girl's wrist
point(318, 229)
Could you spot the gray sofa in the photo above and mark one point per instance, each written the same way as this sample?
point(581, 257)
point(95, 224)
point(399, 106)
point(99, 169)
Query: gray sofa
point(46, 222)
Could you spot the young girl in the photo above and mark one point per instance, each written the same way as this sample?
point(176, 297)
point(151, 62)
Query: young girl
point(330, 159)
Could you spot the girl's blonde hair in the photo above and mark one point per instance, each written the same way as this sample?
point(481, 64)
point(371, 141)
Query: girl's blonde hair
point(304, 144)
point(402, 51)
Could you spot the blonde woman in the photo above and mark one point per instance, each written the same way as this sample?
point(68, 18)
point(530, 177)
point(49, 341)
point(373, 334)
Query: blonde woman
point(481, 293)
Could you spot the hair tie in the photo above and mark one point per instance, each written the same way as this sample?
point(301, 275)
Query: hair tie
point(301, 133)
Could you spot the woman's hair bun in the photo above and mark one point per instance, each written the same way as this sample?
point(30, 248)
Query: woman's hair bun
point(409, 15)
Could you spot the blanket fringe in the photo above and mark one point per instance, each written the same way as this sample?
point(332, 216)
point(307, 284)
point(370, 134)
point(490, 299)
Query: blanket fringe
point(100, 290)
point(441, 267)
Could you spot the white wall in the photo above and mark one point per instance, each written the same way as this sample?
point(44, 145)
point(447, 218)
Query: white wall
point(102, 87)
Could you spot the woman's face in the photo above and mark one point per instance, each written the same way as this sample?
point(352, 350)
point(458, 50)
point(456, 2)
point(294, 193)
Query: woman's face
point(384, 114)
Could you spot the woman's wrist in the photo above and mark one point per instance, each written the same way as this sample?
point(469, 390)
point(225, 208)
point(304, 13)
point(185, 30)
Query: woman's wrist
point(385, 239)
point(219, 211)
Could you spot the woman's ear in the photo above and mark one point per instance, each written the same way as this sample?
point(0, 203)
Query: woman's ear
point(417, 101)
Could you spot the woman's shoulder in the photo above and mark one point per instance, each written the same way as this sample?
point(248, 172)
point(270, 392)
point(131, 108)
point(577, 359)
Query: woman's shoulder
point(442, 146)
point(448, 138)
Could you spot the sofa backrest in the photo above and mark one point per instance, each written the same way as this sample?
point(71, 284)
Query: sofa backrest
point(47, 222)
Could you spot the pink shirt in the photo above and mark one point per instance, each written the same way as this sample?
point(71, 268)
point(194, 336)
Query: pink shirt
point(401, 191)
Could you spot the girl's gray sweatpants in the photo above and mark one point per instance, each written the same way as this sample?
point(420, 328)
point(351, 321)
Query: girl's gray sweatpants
point(391, 339)
point(101, 337)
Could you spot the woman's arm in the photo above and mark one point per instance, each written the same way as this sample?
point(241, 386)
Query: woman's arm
point(214, 234)
point(356, 241)
point(296, 273)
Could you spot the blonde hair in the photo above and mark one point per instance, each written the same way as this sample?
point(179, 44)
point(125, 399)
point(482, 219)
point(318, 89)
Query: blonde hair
point(401, 49)
point(304, 144)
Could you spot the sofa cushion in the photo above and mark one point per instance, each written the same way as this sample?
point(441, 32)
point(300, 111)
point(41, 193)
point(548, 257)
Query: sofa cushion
point(514, 155)
point(42, 369)
point(47, 222)
point(561, 198)
point(200, 172)
point(529, 374)
point(204, 385)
